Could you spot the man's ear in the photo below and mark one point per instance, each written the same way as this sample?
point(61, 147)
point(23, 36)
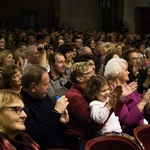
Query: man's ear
point(32, 86)
point(51, 64)
point(79, 79)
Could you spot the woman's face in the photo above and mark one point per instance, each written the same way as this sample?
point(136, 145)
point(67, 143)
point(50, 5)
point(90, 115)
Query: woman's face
point(92, 44)
point(69, 56)
point(10, 37)
point(2, 43)
point(123, 75)
point(86, 76)
point(8, 60)
point(16, 79)
point(13, 118)
point(134, 59)
point(104, 93)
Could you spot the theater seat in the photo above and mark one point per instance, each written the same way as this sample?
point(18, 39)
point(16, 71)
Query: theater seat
point(142, 135)
point(111, 143)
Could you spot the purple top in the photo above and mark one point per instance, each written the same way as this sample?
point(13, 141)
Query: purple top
point(130, 114)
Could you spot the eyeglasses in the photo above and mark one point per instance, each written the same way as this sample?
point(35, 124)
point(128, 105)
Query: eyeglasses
point(135, 58)
point(18, 109)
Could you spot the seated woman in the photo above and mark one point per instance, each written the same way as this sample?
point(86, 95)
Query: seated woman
point(130, 110)
point(80, 126)
point(6, 58)
point(11, 78)
point(12, 119)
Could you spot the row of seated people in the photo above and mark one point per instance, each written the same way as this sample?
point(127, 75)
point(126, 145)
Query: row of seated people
point(70, 121)
point(82, 112)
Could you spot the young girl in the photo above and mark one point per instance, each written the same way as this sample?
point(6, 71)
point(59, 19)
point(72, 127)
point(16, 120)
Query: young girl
point(102, 102)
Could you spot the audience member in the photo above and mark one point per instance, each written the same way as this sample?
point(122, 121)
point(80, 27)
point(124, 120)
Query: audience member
point(147, 54)
point(102, 104)
point(81, 126)
point(12, 119)
point(98, 52)
point(107, 58)
point(6, 59)
point(130, 110)
point(22, 45)
point(19, 56)
point(57, 77)
point(77, 40)
point(88, 58)
point(85, 50)
point(36, 55)
point(10, 42)
point(67, 51)
point(90, 43)
point(11, 78)
point(45, 120)
point(31, 39)
point(2, 43)
point(137, 73)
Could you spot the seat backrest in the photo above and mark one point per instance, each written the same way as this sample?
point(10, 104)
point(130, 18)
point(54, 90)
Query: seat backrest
point(111, 142)
point(142, 135)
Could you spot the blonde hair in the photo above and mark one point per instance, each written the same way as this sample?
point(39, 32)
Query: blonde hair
point(3, 54)
point(7, 97)
point(78, 69)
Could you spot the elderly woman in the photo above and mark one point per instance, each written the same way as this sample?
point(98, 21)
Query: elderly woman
point(11, 78)
point(12, 118)
point(131, 107)
point(80, 126)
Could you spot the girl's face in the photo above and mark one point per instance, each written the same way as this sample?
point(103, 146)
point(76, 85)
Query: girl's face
point(103, 94)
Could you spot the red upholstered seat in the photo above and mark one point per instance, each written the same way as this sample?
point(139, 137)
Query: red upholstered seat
point(142, 135)
point(111, 143)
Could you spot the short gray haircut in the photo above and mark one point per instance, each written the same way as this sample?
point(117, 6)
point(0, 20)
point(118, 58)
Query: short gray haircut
point(29, 49)
point(146, 51)
point(113, 67)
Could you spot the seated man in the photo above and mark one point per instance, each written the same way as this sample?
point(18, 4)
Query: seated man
point(57, 77)
point(35, 55)
point(45, 121)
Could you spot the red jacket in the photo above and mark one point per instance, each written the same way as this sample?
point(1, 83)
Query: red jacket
point(80, 124)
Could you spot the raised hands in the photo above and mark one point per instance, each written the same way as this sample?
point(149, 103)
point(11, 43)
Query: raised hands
point(128, 89)
point(146, 97)
point(115, 96)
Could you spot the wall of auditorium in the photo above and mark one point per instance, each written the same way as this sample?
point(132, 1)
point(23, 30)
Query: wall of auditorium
point(129, 11)
point(85, 14)
point(67, 13)
point(24, 12)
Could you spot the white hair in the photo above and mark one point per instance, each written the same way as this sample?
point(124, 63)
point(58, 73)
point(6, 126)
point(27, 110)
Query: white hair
point(113, 67)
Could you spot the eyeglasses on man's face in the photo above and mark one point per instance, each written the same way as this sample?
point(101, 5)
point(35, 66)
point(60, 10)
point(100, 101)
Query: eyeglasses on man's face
point(17, 109)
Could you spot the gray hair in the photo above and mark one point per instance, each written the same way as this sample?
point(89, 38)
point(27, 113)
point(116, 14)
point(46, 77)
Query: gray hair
point(146, 51)
point(29, 49)
point(32, 73)
point(113, 67)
